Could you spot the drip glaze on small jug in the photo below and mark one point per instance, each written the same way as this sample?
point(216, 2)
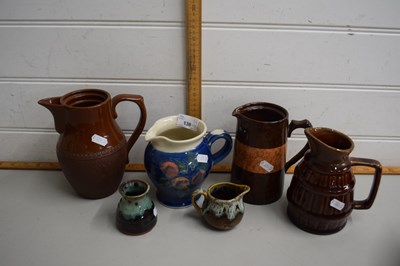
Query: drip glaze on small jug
point(223, 206)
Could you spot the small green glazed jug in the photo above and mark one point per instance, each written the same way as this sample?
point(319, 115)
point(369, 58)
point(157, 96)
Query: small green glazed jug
point(136, 212)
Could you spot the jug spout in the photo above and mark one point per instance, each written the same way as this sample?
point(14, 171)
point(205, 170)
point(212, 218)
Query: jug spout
point(157, 141)
point(151, 135)
point(244, 189)
point(57, 109)
point(231, 190)
point(160, 142)
point(328, 144)
point(238, 111)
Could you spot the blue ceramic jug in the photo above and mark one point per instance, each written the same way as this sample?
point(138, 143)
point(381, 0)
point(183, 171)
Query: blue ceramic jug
point(178, 157)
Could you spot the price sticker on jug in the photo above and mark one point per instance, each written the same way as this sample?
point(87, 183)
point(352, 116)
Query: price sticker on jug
point(99, 140)
point(188, 122)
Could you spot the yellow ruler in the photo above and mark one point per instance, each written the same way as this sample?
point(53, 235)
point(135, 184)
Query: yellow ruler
point(193, 57)
point(394, 170)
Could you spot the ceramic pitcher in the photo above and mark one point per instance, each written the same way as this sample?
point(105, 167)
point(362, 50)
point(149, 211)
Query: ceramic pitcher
point(321, 193)
point(178, 156)
point(259, 158)
point(91, 149)
point(223, 206)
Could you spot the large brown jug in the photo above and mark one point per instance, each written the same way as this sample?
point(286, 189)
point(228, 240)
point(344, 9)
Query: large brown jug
point(259, 158)
point(91, 149)
point(320, 195)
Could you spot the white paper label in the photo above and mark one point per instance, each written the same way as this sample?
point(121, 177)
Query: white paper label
point(188, 122)
point(266, 166)
point(99, 140)
point(202, 158)
point(337, 204)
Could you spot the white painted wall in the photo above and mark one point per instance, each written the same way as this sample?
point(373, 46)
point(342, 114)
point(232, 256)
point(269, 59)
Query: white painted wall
point(334, 62)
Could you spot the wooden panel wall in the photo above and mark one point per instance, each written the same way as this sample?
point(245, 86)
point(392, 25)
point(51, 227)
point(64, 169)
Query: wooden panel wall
point(333, 62)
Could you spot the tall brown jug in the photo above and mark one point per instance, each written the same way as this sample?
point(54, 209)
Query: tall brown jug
point(320, 195)
point(91, 149)
point(259, 159)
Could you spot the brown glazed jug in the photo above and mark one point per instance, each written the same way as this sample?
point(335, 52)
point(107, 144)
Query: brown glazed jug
point(259, 158)
point(91, 149)
point(320, 195)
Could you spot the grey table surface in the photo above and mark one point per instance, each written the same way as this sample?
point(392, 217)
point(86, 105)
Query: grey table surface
point(43, 222)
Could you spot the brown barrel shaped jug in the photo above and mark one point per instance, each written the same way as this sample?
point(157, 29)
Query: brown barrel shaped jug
point(321, 193)
point(259, 159)
point(92, 149)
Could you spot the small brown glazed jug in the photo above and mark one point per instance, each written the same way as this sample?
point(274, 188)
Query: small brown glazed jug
point(223, 206)
point(259, 158)
point(320, 195)
point(91, 149)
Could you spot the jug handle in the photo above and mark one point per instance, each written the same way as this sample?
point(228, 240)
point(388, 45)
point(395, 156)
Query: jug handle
point(225, 150)
point(367, 203)
point(194, 197)
point(143, 114)
point(294, 124)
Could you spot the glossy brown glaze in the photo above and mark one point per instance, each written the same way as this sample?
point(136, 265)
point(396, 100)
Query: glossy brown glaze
point(221, 223)
point(93, 168)
point(265, 188)
point(137, 226)
point(259, 158)
point(320, 195)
